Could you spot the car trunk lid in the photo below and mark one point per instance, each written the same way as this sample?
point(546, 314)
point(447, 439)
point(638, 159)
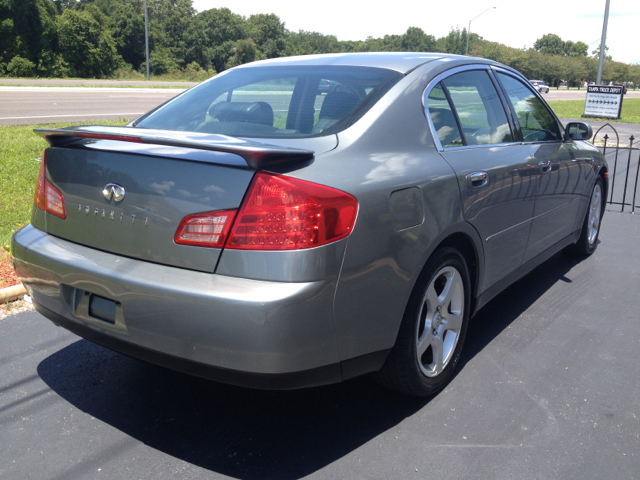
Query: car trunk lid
point(162, 184)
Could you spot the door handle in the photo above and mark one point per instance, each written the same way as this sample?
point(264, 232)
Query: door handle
point(477, 179)
point(545, 167)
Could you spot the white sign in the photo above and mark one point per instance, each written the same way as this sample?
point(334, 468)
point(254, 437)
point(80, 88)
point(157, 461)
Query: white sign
point(603, 101)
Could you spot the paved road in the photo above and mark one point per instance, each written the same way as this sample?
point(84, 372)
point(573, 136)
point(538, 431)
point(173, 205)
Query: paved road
point(105, 83)
point(547, 388)
point(47, 105)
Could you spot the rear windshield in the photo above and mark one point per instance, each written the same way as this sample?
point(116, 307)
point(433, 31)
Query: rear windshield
point(275, 102)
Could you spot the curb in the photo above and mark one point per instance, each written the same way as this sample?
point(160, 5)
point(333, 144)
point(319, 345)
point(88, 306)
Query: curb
point(10, 294)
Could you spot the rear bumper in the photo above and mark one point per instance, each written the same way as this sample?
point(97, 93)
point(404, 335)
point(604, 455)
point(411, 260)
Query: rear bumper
point(241, 331)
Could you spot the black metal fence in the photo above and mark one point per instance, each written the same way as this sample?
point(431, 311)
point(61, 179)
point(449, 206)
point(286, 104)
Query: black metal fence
point(623, 172)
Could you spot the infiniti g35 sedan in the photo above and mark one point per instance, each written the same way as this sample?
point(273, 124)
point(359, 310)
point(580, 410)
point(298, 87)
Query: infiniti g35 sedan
point(261, 231)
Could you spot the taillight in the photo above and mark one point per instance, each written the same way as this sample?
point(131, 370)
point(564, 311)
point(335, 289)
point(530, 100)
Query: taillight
point(205, 229)
point(278, 213)
point(48, 197)
point(284, 213)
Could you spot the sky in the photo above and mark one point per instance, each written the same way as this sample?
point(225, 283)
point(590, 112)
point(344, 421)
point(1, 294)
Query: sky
point(514, 23)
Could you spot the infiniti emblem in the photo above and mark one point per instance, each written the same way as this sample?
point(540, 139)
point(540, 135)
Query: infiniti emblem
point(113, 190)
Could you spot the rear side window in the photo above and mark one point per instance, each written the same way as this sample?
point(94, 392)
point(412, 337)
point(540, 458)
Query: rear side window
point(536, 122)
point(465, 110)
point(479, 109)
point(443, 118)
point(276, 102)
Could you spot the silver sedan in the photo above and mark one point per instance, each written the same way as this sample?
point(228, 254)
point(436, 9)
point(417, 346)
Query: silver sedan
point(260, 231)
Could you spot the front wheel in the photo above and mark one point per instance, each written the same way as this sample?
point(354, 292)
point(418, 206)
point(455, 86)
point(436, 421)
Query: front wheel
point(433, 328)
point(588, 240)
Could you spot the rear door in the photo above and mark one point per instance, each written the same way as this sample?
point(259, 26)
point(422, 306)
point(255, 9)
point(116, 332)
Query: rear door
point(497, 176)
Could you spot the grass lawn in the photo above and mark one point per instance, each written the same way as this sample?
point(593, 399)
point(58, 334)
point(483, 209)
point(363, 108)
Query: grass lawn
point(575, 108)
point(20, 151)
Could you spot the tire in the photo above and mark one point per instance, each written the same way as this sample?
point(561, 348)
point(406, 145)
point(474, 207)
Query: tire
point(588, 241)
point(429, 341)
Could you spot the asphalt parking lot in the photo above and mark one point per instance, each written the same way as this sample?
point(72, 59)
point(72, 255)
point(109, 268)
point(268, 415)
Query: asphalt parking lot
point(548, 387)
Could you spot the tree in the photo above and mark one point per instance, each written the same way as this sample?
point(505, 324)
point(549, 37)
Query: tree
point(306, 43)
point(169, 22)
point(86, 46)
point(28, 30)
point(212, 35)
point(596, 53)
point(415, 40)
point(268, 34)
point(550, 43)
point(244, 51)
point(577, 49)
point(455, 42)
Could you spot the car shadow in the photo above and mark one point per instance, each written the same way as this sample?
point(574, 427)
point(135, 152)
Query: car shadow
point(506, 307)
point(234, 431)
point(245, 433)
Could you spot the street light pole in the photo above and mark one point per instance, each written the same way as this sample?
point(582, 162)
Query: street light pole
point(603, 42)
point(146, 36)
point(469, 29)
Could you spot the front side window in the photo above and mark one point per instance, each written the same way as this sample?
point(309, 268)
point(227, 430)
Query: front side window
point(536, 122)
point(276, 102)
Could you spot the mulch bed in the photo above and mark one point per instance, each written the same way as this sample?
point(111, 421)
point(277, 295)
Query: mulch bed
point(7, 275)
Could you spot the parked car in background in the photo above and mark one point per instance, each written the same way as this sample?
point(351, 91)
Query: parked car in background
point(258, 231)
point(328, 86)
point(540, 86)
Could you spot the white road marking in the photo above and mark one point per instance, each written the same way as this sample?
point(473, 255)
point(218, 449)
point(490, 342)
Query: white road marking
point(76, 115)
point(136, 96)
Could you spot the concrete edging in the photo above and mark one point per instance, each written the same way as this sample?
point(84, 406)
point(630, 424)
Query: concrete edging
point(10, 294)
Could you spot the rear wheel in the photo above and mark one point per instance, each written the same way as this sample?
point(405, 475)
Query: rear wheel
point(588, 241)
point(433, 328)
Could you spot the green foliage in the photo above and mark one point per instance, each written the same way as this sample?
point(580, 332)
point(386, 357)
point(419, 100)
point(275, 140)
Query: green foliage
point(87, 48)
point(244, 51)
point(455, 42)
point(161, 61)
point(268, 34)
point(212, 36)
point(550, 43)
point(20, 67)
point(415, 40)
point(306, 43)
point(98, 38)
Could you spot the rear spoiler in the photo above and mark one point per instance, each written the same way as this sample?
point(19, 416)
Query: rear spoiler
point(257, 155)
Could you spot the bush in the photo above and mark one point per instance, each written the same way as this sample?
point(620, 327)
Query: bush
point(21, 67)
point(126, 72)
point(161, 61)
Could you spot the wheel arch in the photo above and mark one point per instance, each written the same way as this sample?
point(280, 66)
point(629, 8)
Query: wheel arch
point(465, 239)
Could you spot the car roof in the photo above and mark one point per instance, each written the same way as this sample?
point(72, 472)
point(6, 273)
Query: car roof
point(402, 62)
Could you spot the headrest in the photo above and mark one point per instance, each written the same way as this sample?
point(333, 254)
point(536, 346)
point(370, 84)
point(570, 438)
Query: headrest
point(338, 105)
point(248, 112)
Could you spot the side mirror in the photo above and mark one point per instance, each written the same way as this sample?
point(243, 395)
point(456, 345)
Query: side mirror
point(577, 131)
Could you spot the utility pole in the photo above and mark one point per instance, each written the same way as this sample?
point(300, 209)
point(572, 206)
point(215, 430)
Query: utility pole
point(469, 29)
point(146, 36)
point(603, 42)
